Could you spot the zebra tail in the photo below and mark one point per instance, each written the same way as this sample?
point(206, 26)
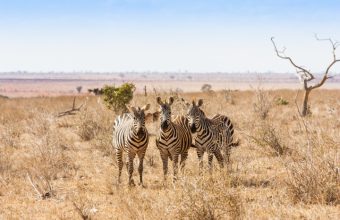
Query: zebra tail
point(235, 144)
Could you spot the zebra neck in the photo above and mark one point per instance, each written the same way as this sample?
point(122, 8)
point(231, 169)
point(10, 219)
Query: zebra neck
point(203, 130)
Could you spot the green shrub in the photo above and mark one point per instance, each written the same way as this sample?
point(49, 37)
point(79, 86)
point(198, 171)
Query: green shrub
point(281, 101)
point(116, 98)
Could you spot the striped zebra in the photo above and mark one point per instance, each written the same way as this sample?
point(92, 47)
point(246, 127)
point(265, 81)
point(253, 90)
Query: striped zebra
point(212, 134)
point(174, 137)
point(130, 135)
point(225, 126)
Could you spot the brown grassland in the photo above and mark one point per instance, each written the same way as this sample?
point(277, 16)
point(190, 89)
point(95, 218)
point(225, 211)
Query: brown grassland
point(286, 167)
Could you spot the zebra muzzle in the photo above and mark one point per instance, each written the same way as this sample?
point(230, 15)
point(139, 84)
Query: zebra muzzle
point(193, 128)
point(164, 125)
point(140, 133)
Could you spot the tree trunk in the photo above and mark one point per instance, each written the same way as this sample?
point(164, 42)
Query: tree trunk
point(305, 103)
point(145, 93)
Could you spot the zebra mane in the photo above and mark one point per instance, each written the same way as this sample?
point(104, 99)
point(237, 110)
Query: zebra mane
point(201, 112)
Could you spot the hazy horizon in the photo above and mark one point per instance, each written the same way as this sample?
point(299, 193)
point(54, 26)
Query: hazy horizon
point(165, 36)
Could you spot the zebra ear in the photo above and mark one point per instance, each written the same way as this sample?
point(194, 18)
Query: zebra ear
point(200, 102)
point(146, 107)
point(171, 100)
point(159, 101)
point(193, 103)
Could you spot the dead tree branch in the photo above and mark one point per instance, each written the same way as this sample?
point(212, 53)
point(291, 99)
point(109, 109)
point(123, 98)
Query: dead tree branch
point(305, 75)
point(334, 45)
point(308, 75)
point(71, 111)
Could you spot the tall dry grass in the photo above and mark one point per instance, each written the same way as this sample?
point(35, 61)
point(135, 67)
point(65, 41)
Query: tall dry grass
point(285, 167)
point(313, 176)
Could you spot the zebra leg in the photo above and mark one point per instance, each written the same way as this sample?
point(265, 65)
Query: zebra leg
point(210, 159)
point(119, 158)
point(226, 150)
point(219, 158)
point(227, 157)
point(127, 164)
point(175, 165)
point(200, 153)
point(184, 157)
point(131, 156)
point(164, 158)
point(140, 168)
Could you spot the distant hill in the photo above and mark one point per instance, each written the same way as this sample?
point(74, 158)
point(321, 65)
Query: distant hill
point(26, 84)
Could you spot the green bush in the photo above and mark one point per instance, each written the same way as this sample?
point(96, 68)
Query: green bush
point(116, 98)
point(281, 101)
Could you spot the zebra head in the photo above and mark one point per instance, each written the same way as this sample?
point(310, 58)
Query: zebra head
point(139, 119)
point(165, 108)
point(194, 115)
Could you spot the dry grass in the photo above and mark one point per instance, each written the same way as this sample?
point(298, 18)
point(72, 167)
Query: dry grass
point(262, 103)
point(314, 176)
point(207, 198)
point(285, 167)
point(268, 139)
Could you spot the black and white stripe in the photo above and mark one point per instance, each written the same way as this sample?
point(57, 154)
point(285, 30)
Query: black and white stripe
point(174, 137)
point(212, 135)
point(130, 135)
point(225, 126)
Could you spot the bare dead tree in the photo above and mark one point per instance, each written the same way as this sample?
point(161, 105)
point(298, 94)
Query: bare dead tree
point(71, 111)
point(305, 75)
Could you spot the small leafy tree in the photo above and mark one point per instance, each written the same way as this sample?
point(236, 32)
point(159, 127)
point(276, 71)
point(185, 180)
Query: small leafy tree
point(206, 88)
point(116, 98)
point(79, 88)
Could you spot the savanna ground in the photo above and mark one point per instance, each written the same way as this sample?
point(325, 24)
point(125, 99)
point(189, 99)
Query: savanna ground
point(286, 167)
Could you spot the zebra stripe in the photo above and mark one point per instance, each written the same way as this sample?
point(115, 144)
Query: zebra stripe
point(212, 134)
point(130, 135)
point(225, 126)
point(174, 138)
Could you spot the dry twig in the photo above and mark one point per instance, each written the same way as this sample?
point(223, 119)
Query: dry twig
point(42, 194)
point(72, 110)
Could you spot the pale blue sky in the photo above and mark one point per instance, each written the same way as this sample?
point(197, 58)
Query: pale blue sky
point(164, 35)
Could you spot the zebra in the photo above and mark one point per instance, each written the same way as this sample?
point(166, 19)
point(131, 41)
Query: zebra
point(130, 135)
point(225, 126)
point(212, 134)
point(174, 138)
